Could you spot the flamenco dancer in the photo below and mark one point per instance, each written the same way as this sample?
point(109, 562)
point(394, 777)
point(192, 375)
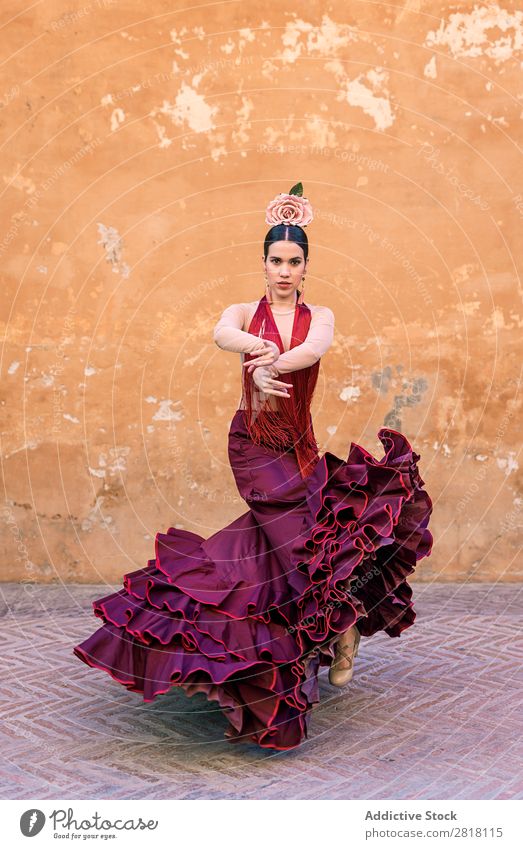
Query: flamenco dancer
point(320, 558)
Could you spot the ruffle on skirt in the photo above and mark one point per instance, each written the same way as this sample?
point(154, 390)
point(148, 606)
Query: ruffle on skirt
point(249, 616)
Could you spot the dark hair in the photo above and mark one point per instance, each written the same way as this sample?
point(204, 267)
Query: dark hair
point(286, 233)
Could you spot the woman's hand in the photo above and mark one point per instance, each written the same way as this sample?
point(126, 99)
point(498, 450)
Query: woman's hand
point(265, 379)
point(267, 353)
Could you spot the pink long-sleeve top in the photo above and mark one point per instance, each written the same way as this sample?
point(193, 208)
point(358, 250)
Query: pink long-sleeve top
point(230, 333)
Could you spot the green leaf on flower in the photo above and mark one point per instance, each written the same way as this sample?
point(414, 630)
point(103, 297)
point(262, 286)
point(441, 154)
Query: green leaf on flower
point(297, 189)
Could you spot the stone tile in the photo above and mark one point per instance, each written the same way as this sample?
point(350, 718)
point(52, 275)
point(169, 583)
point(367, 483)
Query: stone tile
point(433, 714)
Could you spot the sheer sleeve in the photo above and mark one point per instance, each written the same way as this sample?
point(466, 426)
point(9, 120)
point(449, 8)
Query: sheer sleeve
point(228, 333)
point(318, 341)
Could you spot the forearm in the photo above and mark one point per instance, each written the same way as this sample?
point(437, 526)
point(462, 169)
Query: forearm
point(232, 339)
point(301, 356)
point(318, 341)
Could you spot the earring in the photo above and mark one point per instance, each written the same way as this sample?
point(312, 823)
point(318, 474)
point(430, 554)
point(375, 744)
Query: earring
point(267, 291)
point(300, 299)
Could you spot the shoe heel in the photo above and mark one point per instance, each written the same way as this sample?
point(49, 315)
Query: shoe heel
point(357, 644)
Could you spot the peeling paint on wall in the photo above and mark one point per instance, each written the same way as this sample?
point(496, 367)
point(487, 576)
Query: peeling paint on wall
point(468, 34)
point(384, 381)
point(189, 108)
point(399, 142)
point(430, 70)
point(112, 242)
point(350, 393)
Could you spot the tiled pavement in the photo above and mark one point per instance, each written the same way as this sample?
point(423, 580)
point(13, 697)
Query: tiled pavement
point(434, 714)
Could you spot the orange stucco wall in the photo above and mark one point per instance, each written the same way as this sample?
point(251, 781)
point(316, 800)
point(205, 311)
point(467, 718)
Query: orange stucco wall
point(140, 146)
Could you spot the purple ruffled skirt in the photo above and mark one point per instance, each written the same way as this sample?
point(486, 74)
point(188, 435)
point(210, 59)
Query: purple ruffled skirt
point(249, 615)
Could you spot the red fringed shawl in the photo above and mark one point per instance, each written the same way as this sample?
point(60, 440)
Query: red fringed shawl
point(291, 424)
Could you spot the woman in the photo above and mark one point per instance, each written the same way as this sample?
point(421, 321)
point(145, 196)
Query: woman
point(320, 558)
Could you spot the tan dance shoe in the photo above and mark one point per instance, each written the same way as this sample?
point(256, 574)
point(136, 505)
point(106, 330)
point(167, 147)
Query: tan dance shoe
point(342, 666)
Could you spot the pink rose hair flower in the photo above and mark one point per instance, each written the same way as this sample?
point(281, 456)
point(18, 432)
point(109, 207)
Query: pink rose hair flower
point(289, 208)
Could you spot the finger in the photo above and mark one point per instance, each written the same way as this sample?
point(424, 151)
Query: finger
point(261, 355)
point(255, 364)
point(276, 384)
point(276, 392)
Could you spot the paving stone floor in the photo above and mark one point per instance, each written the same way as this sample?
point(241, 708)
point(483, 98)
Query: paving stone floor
point(434, 714)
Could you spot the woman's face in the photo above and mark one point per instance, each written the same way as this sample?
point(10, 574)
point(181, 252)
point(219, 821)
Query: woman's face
point(285, 266)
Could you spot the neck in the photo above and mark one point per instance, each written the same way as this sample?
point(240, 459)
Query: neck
point(288, 301)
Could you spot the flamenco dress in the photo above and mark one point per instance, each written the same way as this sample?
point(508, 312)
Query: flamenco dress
point(250, 615)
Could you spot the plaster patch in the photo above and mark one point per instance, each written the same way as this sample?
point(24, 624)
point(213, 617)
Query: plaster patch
point(303, 37)
point(430, 69)
point(466, 34)
point(228, 47)
point(89, 371)
point(381, 380)
point(95, 516)
point(13, 367)
point(410, 395)
point(367, 91)
point(189, 107)
point(117, 118)
point(508, 464)
point(112, 243)
point(350, 393)
point(165, 414)
point(462, 273)
point(470, 307)
point(111, 462)
point(25, 184)
point(496, 319)
point(240, 135)
point(71, 418)
point(165, 141)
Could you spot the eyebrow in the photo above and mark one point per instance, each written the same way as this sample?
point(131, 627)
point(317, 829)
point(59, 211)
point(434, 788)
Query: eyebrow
point(275, 256)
